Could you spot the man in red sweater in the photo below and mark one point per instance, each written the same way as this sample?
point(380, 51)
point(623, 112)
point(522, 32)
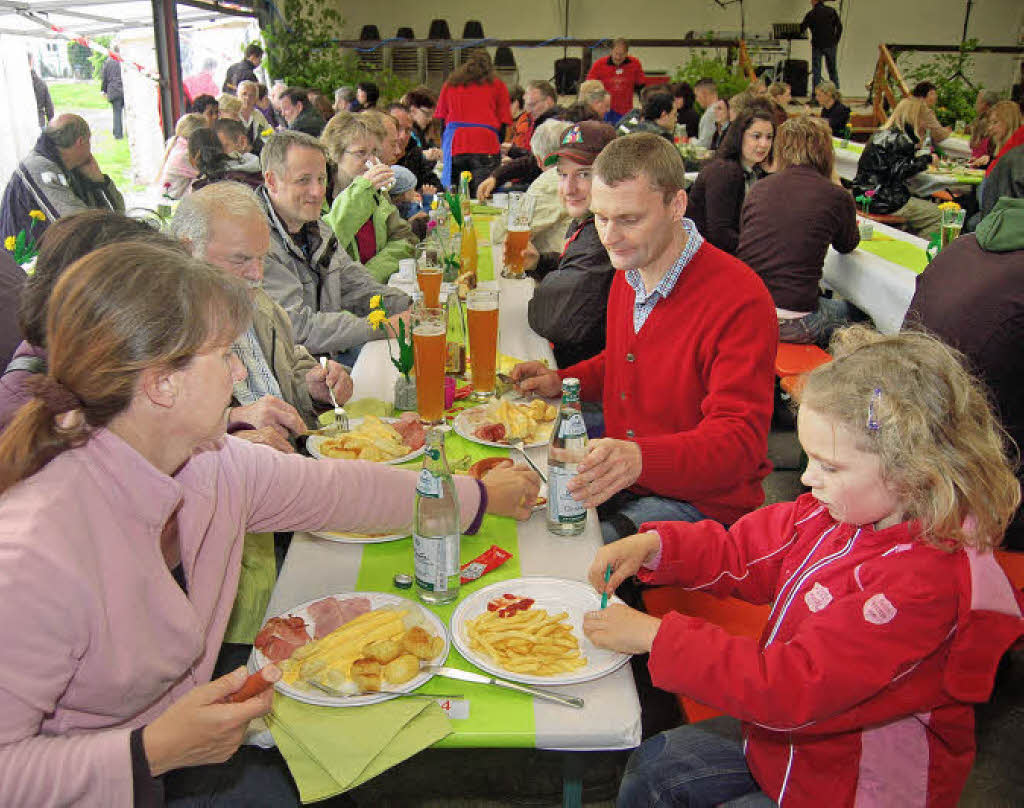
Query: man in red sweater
point(620, 74)
point(686, 377)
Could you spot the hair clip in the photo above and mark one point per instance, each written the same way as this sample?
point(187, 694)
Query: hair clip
point(876, 399)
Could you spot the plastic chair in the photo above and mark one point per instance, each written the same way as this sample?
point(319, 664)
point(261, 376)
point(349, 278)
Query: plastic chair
point(505, 66)
point(473, 29)
point(735, 616)
point(439, 61)
point(890, 219)
point(793, 359)
point(405, 60)
point(370, 60)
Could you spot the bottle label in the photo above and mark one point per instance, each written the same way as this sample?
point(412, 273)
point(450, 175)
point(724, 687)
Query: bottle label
point(429, 484)
point(562, 507)
point(436, 561)
point(572, 427)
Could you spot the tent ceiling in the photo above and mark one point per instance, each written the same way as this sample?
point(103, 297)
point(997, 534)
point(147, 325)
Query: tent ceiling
point(93, 17)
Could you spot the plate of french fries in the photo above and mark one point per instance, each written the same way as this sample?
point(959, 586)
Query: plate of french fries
point(358, 538)
point(530, 420)
point(537, 643)
point(384, 649)
point(371, 438)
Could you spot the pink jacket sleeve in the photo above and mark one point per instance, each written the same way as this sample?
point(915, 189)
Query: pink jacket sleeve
point(289, 492)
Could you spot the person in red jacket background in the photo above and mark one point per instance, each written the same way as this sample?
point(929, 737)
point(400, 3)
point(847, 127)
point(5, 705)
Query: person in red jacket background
point(687, 374)
point(889, 611)
point(621, 75)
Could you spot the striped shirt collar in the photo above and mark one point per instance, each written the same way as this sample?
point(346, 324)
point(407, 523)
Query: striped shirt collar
point(644, 301)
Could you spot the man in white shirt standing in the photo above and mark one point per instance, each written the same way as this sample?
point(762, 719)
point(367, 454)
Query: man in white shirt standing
point(707, 96)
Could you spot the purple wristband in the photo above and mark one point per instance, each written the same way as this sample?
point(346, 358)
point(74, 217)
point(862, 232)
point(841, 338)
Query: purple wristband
point(474, 526)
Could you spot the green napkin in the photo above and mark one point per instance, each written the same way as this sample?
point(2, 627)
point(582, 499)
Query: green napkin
point(368, 406)
point(333, 749)
point(899, 252)
point(255, 585)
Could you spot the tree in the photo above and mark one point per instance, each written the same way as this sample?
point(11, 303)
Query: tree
point(97, 58)
point(79, 55)
point(301, 49)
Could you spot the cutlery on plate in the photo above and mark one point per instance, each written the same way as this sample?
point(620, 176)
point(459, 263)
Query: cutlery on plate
point(330, 691)
point(340, 417)
point(484, 679)
point(517, 443)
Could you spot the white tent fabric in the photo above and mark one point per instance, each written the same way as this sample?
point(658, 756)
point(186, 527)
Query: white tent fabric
point(19, 126)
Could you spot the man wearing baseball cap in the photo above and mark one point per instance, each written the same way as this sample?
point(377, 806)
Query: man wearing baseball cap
point(571, 300)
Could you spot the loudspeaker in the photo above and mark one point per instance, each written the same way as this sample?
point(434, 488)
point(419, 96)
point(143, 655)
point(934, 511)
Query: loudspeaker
point(794, 73)
point(567, 75)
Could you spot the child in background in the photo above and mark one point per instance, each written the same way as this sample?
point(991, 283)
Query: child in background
point(889, 615)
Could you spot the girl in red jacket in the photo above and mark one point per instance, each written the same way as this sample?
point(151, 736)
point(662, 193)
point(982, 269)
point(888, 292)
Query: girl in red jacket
point(889, 612)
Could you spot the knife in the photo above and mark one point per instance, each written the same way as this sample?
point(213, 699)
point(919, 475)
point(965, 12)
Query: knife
point(467, 676)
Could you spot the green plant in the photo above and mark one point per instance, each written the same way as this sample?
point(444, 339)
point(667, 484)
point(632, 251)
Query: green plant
point(301, 50)
point(705, 64)
point(951, 73)
point(79, 55)
point(97, 58)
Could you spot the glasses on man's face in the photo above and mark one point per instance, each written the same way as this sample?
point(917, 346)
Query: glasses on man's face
point(361, 154)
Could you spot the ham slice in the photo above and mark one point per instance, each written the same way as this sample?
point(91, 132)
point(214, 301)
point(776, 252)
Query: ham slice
point(279, 638)
point(331, 613)
point(412, 431)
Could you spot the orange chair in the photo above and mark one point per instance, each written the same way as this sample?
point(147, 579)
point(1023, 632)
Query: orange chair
point(735, 616)
point(793, 359)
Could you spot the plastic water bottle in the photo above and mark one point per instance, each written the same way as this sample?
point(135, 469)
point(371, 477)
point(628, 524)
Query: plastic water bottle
point(568, 445)
point(436, 539)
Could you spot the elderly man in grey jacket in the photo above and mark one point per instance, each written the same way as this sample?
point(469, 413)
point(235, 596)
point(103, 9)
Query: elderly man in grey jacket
point(325, 292)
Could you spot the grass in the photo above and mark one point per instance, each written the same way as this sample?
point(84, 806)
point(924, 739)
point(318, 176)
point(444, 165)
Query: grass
point(114, 156)
point(71, 95)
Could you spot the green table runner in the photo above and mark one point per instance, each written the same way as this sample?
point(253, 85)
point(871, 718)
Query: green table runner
point(898, 252)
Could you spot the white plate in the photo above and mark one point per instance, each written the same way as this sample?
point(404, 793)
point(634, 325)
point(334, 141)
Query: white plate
point(357, 538)
point(469, 419)
point(377, 600)
point(554, 595)
point(313, 444)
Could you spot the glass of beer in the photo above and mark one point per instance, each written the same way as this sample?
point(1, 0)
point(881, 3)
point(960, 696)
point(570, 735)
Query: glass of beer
point(952, 224)
point(428, 345)
point(482, 320)
point(517, 220)
point(428, 273)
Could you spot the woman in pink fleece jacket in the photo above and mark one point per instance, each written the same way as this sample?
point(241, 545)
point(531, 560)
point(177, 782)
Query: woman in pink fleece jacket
point(122, 511)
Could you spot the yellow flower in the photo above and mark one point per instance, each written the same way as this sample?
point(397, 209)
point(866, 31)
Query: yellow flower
point(267, 132)
point(375, 302)
point(466, 175)
point(9, 243)
point(376, 318)
point(37, 215)
point(949, 206)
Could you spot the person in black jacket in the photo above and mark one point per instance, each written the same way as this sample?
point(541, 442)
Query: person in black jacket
point(891, 157)
point(300, 114)
point(833, 109)
point(412, 155)
point(570, 303)
point(686, 108)
point(244, 70)
point(44, 103)
point(826, 29)
point(112, 87)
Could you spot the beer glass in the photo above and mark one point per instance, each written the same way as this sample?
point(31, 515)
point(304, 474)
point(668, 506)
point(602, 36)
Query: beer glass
point(428, 345)
point(518, 218)
point(952, 224)
point(482, 321)
point(428, 273)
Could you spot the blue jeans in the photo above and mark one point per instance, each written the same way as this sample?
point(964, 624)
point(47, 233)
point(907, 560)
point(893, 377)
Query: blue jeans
point(617, 518)
point(816, 327)
point(251, 778)
point(830, 62)
point(689, 767)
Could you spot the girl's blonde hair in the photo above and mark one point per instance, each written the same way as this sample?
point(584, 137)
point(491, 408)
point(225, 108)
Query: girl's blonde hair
point(1008, 112)
point(908, 399)
point(911, 111)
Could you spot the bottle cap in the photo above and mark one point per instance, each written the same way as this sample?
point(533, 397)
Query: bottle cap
point(402, 580)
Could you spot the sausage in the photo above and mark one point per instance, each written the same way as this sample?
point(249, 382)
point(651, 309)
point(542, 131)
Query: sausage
point(253, 686)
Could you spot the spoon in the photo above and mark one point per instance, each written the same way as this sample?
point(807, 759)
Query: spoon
point(517, 443)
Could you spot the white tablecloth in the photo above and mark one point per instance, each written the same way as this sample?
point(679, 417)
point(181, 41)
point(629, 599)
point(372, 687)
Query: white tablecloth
point(315, 568)
point(877, 286)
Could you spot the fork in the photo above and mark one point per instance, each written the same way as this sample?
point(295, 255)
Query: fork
point(330, 691)
point(340, 417)
point(517, 443)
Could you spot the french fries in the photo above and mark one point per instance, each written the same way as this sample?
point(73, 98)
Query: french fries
point(373, 440)
point(532, 422)
point(532, 642)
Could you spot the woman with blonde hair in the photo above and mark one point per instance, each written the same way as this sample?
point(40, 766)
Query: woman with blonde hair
point(893, 155)
point(176, 170)
point(230, 106)
point(833, 109)
point(362, 215)
point(123, 507)
point(1004, 129)
point(786, 243)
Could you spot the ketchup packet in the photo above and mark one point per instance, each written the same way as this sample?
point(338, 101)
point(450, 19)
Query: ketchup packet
point(490, 559)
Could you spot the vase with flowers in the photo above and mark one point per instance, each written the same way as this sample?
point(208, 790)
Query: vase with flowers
point(405, 384)
point(23, 247)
